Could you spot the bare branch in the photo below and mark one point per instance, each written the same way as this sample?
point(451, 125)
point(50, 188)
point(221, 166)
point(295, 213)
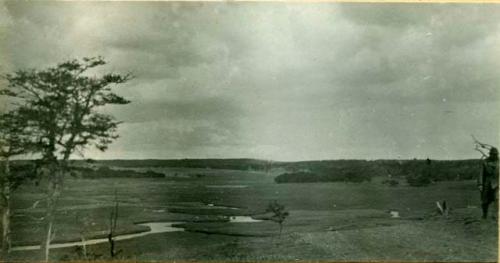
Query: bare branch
point(483, 145)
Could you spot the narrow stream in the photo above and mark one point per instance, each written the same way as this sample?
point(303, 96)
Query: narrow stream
point(154, 228)
point(226, 186)
point(243, 219)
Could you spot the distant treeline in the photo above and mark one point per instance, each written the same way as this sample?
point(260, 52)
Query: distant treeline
point(230, 164)
point(105, 172)
point(416, 172)
point(24, 170)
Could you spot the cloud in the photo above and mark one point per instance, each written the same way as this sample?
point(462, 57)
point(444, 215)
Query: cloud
point(216, 110)
point(417, 53)
point(279, 80)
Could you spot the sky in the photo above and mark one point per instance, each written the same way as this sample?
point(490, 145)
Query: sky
point(281, 81)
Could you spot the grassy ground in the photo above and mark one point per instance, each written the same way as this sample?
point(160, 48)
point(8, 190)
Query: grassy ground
point(328, 221)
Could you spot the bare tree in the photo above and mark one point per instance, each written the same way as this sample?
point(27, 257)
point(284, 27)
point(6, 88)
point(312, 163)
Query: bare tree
point(61, 104)
point(113, 219)
point(479, 145)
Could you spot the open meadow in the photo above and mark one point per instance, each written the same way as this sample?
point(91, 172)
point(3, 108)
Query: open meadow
point(216, 214)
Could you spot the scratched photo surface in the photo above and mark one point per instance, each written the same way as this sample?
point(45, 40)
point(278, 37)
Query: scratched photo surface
point(161, 131)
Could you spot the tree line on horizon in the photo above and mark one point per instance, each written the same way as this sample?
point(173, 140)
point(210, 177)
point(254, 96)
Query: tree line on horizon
point(415, 172)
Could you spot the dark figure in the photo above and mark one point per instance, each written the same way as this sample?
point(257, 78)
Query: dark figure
point(488, 182)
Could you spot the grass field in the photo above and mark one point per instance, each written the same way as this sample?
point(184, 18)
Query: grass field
point(328, 221)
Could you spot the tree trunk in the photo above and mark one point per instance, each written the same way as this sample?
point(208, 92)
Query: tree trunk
point(6, 211)
point(113, 218)
point(111, 245)
point(84, 247)
point(46, 243)
point(5, 231)
point(53, 192)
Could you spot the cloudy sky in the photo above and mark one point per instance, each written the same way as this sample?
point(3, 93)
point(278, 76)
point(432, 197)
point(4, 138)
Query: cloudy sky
point(283, 81)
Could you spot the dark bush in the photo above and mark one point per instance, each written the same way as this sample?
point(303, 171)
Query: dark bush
point(356, 177)
point(391, 182)
point(415, 179)
point(106, 172)
point(309, 177)
point(298, 177)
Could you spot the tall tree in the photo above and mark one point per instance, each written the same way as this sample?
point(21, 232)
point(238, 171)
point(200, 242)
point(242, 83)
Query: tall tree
point(62, 104)
point(13, 141)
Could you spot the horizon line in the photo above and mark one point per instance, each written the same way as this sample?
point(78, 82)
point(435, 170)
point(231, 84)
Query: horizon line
point(259, 159)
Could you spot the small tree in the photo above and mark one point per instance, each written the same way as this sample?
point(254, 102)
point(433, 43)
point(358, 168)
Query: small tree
point(61, 104)
point(279, 214)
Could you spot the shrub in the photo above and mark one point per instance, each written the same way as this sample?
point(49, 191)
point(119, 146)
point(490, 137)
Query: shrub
point(298, 177)
point(417, 179)
point(391, 182)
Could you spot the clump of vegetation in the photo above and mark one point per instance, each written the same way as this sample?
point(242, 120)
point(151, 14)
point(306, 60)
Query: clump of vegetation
point(325, 176)
point(391, 182)
point(417, 172)
point(78, 254)
point(416, 179)
point(106, 172)
point(230, 164)
point(298, 177)
point(423, 176)
point(279, 213)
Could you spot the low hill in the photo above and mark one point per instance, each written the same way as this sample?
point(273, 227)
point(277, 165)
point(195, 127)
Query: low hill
point(417, 171)
point(231, 164)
